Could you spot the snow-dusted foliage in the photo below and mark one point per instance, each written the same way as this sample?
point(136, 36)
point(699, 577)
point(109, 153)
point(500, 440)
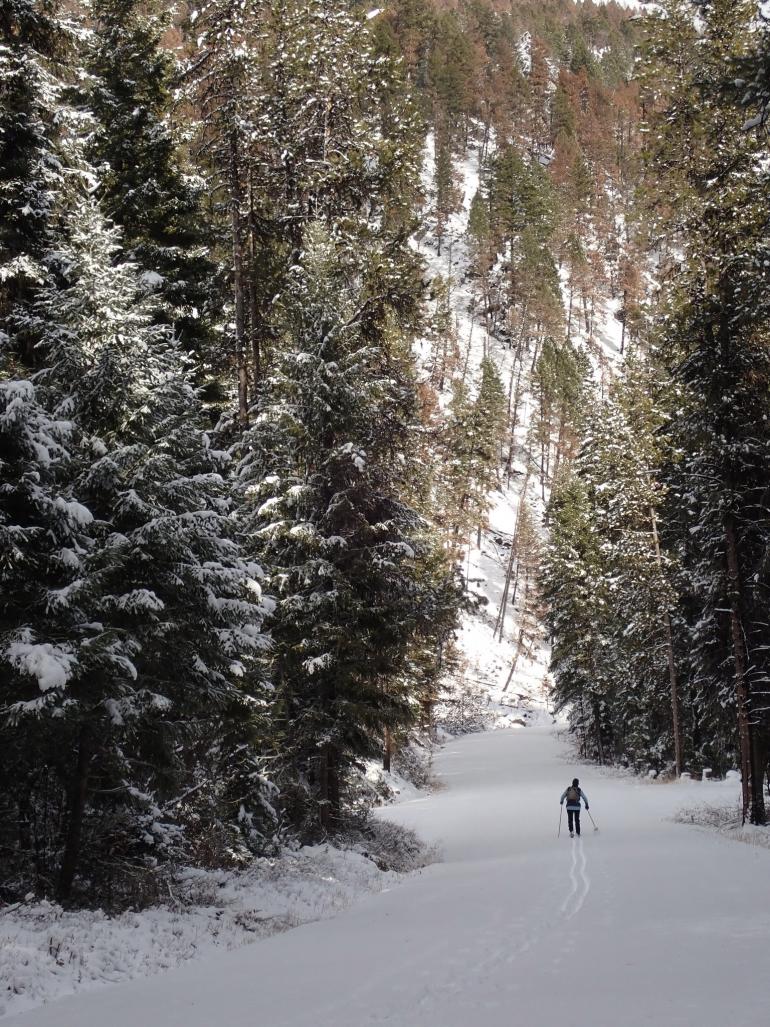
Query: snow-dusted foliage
point(142, 182)
point(130, 621)
point(30, 167)
point(349, 560)
point(609, 587)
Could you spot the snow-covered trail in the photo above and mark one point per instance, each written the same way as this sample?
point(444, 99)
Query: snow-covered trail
point(646, 922)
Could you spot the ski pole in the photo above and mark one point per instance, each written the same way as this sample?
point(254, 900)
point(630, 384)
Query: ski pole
point(561, 810)
point(592, 820)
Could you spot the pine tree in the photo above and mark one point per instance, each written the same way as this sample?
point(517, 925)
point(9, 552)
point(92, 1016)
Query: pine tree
point(221, 76)
point(473, 442)
point(622, 683)
point(30, 159)
point(558, 386)
point(445, 189)
point(719, 336)
point(323, 481)
point(143, 186)
point(338, 141)
point(574, 587)
point(148, 617)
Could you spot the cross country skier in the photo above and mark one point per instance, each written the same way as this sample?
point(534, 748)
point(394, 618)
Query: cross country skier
point(573, 794)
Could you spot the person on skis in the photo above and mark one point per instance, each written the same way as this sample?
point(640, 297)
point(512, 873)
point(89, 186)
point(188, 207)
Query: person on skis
point(572, 795)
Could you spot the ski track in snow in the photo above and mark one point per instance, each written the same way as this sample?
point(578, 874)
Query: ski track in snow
point(581, 882)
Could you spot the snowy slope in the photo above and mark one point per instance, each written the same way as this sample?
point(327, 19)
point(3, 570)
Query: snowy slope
point(646, 922)
point(489, 659)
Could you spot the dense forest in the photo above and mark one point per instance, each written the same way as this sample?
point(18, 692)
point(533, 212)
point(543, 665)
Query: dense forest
point(241, 447)
point(658, 572)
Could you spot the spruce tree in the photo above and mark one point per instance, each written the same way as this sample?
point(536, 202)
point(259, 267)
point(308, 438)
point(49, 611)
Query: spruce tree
point(473, 441)
point(717, 333)
point(143, 186)
point(575, 588)
point(33, 38)
point(148, 609)
point(323, 480)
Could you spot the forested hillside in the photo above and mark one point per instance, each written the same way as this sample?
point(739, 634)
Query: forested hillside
point(249, 439)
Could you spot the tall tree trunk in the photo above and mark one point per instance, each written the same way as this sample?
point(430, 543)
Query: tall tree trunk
point(256, 355)
point(387, 751)
point(324, 804)
point(623, 322)
point(676, 719)
point(516, 655)
point(742, 694)
point(77, 806)
point(25, 820)
point(500, 620)
point(759, 757)
point(598, 730)
point(569, 309)
point(239, 289)
point(334, 785)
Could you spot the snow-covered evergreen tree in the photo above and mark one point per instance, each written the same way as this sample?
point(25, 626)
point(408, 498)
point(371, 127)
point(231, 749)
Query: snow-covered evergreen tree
point(473, 447)
point(143, 186)
point(222, 76)
point(148, 634)
point(717, 341)
point(609, 584)
point(31, 39)
point(575, 589)
point(323, 476)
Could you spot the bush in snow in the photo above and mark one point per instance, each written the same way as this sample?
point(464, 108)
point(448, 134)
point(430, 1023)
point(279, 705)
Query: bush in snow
point(391, 846)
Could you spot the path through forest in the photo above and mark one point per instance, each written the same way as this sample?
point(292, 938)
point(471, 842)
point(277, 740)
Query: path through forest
point(645, 922)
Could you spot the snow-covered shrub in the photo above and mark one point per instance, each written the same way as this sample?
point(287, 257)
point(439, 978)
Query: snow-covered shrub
point(464, 711)
point(413, 762)
point(391, 846)
point(704, 815)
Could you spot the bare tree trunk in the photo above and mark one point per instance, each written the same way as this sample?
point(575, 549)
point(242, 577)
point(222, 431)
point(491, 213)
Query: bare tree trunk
point(672, 675)
point(623, 323)
point(536, 353)
point(500, 621)
point(516, 655)
point(77, 804)
point(759, 755)
point(334, 785)
point(24, 810)
point(743, 699)
point(559, 448)
point(569, 310)
point(514, 416)
point(387, 752)
point(598, 729)
point(256, 356)
point(236, 206)
point(325, 788)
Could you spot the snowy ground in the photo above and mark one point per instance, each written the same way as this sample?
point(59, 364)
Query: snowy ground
point(47, 952)
point(645, 922)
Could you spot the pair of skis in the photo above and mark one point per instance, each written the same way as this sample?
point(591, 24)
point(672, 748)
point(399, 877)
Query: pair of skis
point(561, 810)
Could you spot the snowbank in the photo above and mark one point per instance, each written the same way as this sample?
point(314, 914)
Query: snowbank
point(47, 952)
